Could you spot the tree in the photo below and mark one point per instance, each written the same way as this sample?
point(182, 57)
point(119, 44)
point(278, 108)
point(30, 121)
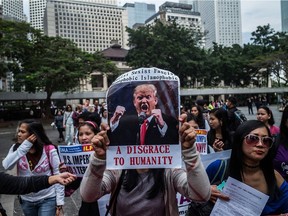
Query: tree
point(167, 46)
point(227, 64)
point(42, 63)
point(16, 40)
point(54, 64)
point(273, 57)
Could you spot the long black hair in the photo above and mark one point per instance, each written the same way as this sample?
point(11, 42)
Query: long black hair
point(237, 156)
point(132, 177)
point(37, 129)
point(222, 115)
point(199, 118)
point(271, 120)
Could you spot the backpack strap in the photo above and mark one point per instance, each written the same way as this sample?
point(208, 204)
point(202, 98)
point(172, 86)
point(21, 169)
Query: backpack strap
point(47, 149)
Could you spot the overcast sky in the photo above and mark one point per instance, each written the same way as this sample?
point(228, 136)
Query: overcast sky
point(254, 13)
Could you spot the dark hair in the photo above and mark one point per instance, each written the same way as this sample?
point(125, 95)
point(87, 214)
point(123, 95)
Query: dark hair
point(131, 179)
point(83, 115)
point(41, 137)
point(59, 110)
point(271, 121)
point(92, 125)
point(191, 117)
point(222, 115)
point(199, 118)
point(266, 164)
point(283, 136)
point(95, 117)
point(233, 100)
point(68, 105)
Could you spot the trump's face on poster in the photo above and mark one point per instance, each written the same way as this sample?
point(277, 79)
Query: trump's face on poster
point(145, 99)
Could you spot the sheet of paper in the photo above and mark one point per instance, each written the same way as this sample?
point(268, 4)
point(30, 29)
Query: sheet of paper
point(244, 200)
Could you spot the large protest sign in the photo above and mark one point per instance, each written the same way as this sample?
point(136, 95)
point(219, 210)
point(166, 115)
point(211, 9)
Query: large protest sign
point(75, 157)
point(143, 110)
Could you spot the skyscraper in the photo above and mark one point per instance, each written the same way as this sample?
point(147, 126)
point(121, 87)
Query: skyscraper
point(13, 9)
point(182, 14)
point(37, 9)
point(139, 12)
point(284, 15)
point(91, 26)
point(222, 21)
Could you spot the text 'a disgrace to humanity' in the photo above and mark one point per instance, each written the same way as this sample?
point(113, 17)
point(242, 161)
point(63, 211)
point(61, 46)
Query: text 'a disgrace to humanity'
point(143, 155)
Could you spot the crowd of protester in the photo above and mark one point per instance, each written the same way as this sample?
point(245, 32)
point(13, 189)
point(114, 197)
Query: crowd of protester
point(154, 190)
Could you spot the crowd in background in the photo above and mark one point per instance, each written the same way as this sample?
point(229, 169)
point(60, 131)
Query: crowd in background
point(227, 129)
point(67, 119)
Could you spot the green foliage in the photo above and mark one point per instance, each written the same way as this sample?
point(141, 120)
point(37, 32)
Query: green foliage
point(272, 58)
point(16, 39)
point(52, 64)
point(172, 47)
point(166, 46)
point(45, 63)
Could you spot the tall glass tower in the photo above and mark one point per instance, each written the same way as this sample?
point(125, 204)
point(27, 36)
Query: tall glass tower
point(222, 21)
point(284, 15)
point(139, 12)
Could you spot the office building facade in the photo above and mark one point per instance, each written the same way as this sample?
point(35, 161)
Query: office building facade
point(37, 9)
point(36, 12)
point(284, 15)
point(139, 12)
point(222, 21)
point(13, 10)
point(182, 14)
point(92, 26)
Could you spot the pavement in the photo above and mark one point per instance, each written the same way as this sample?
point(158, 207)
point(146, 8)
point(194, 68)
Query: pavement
point(72, 204)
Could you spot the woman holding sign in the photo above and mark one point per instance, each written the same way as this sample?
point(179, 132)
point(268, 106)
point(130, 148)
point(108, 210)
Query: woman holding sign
point(86, 131)
point(146, 191)
point(252, 163)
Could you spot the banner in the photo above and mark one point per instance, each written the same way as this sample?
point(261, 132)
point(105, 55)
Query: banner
point(201, 141)
point(75, 157)
point(143, 110)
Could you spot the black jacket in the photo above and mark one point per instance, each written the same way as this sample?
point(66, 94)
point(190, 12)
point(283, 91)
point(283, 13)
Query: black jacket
point(21, 185)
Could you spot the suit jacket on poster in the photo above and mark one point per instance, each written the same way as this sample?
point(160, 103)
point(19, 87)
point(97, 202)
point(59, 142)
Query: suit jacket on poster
point(127, 132)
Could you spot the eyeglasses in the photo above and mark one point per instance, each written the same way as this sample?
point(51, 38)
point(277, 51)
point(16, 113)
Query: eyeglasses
point(252, 139)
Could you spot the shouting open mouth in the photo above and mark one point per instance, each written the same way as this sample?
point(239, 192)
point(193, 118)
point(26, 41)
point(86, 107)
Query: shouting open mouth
point(144, 107)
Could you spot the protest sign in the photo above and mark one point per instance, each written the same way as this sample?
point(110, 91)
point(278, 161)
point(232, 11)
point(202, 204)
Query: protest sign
point(75, 157)
point(201, 141)
point(143, 109)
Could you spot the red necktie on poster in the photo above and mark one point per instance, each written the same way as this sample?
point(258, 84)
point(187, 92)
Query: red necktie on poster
point(143, 130)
